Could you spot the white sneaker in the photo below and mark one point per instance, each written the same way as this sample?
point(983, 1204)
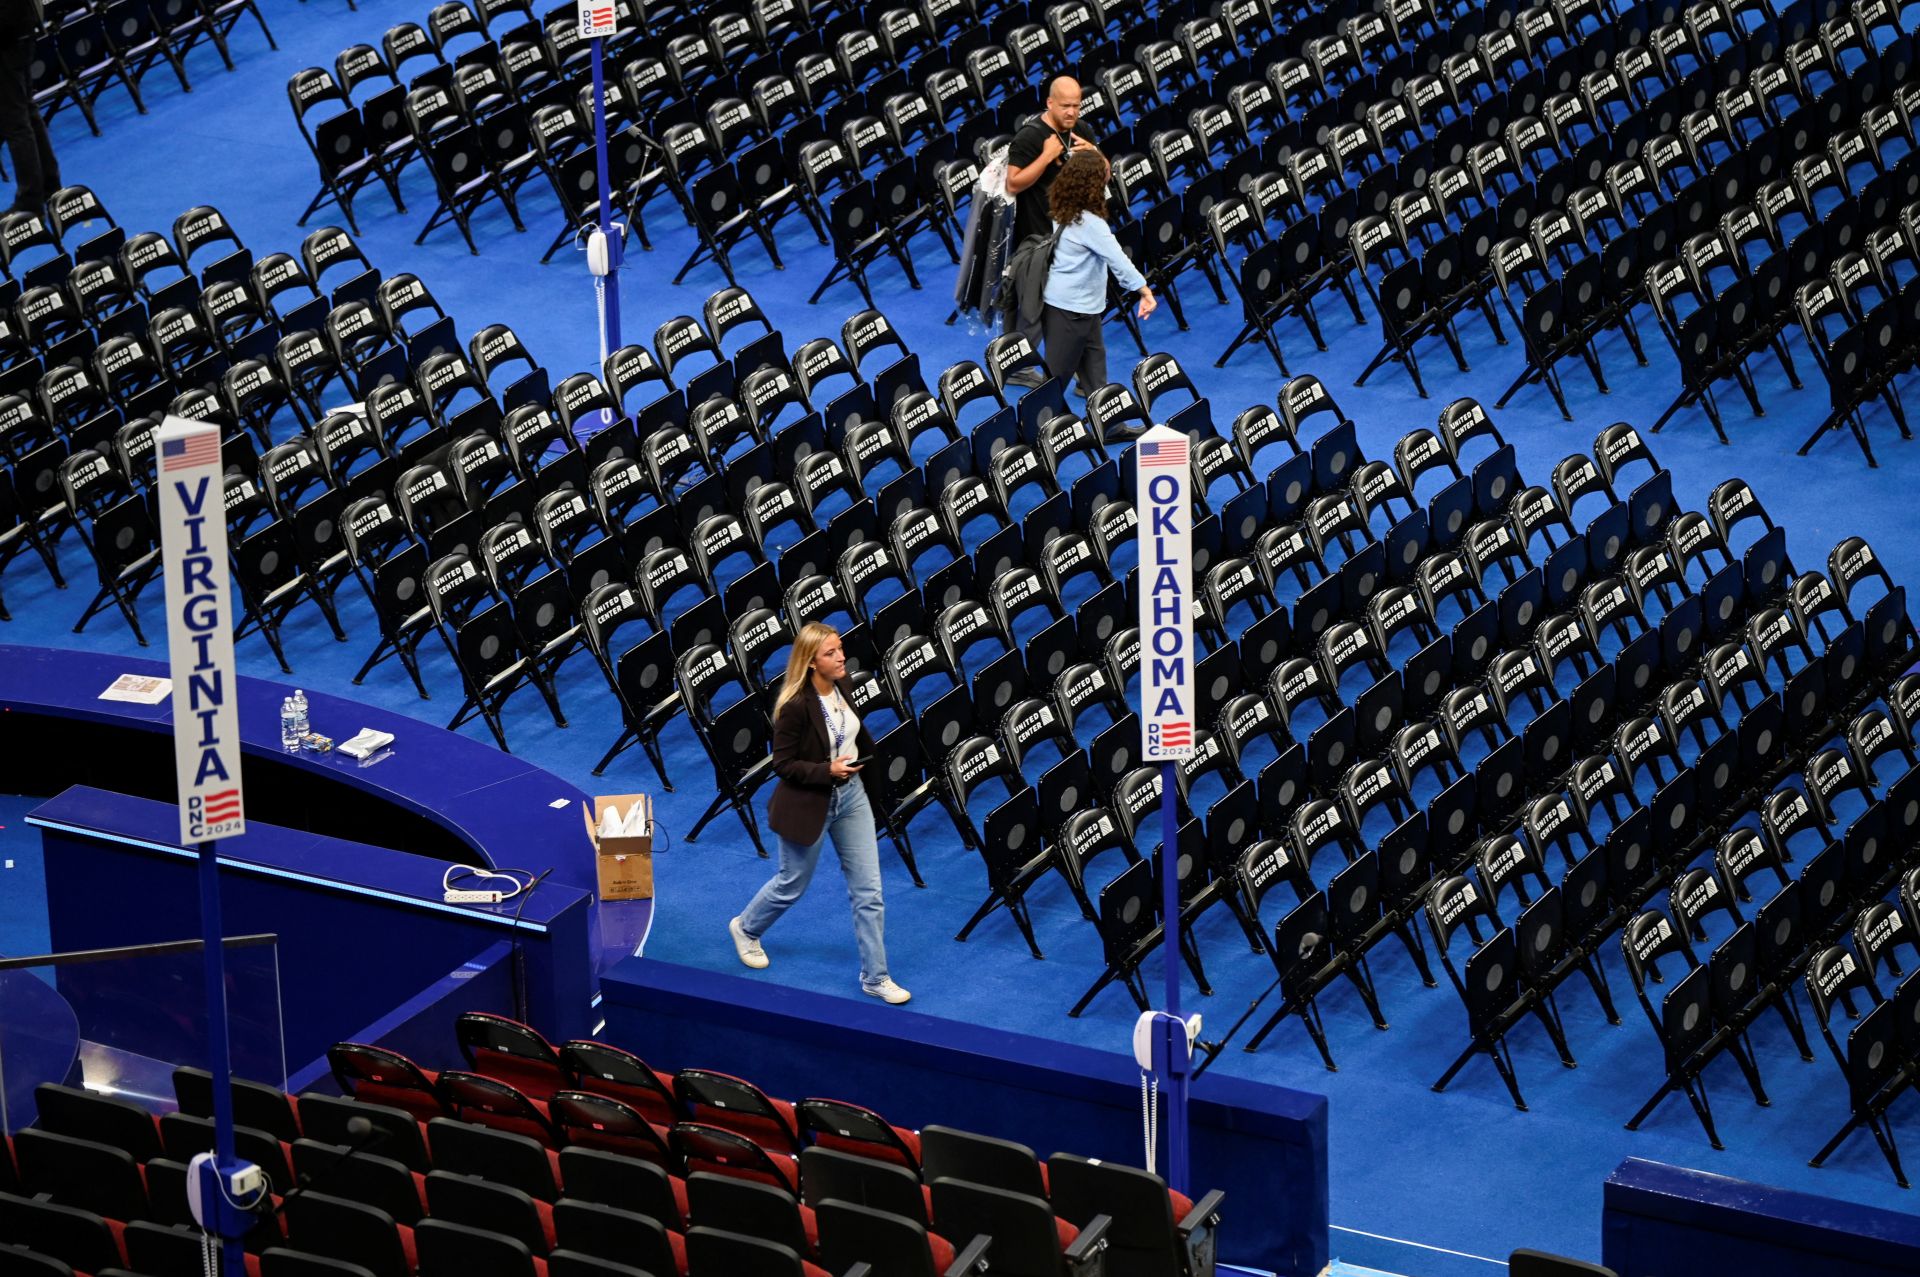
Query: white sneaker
point(748, 948)
point(889, 992)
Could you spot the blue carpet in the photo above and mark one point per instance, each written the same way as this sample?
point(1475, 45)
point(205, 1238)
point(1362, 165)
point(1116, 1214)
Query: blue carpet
point(1463, 1172)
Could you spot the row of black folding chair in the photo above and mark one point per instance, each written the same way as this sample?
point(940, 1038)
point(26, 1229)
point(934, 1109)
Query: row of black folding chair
point(1878, 1061)
point(1756, 967)
point(1859, 321)
point(90, 46)
point(1367, 926)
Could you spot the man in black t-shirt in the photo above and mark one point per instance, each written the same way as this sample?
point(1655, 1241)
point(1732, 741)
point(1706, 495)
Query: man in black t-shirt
point(1037, 152)
point(20, 123)
point(1035, 156)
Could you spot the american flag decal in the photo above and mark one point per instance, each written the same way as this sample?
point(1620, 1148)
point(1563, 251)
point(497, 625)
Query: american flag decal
point(1175, 734)
point(195, 450)
point(222, 806)
point(1163, 454)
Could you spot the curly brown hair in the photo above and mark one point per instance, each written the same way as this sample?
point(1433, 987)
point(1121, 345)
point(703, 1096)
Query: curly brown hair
point(1080, 187)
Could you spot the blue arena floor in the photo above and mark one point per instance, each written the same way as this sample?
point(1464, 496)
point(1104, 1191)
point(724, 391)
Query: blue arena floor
point(1422, 1183)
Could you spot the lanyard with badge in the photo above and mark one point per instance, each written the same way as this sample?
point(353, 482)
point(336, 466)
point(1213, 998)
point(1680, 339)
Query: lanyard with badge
point(836, 714)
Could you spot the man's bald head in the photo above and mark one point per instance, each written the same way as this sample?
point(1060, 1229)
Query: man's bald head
point(1063, 102)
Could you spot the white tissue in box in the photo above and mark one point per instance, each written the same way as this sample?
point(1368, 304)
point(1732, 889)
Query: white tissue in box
point(639, 820)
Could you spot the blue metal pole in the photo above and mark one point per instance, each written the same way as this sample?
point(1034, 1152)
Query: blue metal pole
point(1177, 1064)
point(609, 288)
point(219, 1057)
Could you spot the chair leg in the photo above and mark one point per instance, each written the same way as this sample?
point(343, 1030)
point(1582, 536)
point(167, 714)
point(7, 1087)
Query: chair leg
point(1460, 1062)
point(993, 901)
point(41, 548)
point(903, 847)
point(1859, 428)
point(1453, 344)
point(1527, 376)
point(1017, 906)
point(1173, 303)
point(1191, 954)
point(1552, 380)
point(1213, 277)
point(270, 631)
point(1786, 360)
point(706, 817)
point(1107, 977)
point(1883, 1136)
point(1666, 1088)
point(1235, 344)
point(1311, 318)
point(1353, 299)
point(544, 685)
point(264, 30)
point(324, 598)
point(1697, 1096)
point(125, 600)
point(1363, 981)
point(1503, 1063)
point(1891, 394)
point(1742, 1054)
point(1597, 977)
point(905, 257)
point(752, 823)
point(1789, 1009)
point(1688, 396)
point(1549, 1016)
point(1413, 369)
point(1847, 1128)
point(1388, 350)
point(492, 715)
point(1417, 950)
point(412, 663)
point(1248, 923)
point(826, 283)
point(1493, 318)
point(627, 737)
point(1310, 1016)
point(1253, 1043)
point(1632, 332)
point(1745, 382)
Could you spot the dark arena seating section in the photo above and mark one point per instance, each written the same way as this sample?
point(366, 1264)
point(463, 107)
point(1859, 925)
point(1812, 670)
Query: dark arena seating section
point(575, 1160)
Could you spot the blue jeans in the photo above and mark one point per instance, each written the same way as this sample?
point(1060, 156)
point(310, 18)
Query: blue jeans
point(850, 825)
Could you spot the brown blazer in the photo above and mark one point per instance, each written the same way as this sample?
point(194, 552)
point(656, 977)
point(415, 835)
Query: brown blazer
point(801, 759)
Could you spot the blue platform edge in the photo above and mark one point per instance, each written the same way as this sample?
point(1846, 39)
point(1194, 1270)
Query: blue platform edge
point(358, 927)
point(1265, 1145)
point(1661, 1220)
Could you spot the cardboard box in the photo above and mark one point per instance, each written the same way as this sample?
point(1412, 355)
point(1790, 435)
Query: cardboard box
point(625, 862)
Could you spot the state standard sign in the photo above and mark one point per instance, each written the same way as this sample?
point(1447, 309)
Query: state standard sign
point(193, 548)
point(1166, 595)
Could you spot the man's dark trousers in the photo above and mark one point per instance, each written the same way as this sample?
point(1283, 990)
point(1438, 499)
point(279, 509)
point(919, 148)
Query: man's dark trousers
point(34, 166)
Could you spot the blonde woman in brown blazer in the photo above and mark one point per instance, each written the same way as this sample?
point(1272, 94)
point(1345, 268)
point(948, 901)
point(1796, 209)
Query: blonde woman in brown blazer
point(817, 738)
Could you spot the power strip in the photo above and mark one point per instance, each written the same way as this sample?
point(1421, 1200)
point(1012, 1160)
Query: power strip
point(453, 897)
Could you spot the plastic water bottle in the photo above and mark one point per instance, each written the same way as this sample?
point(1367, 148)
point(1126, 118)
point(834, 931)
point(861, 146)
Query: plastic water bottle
point(289, 726)
point(301, 726)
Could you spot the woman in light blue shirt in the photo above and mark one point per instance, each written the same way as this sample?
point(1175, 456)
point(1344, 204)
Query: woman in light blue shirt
point(1076, 290)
